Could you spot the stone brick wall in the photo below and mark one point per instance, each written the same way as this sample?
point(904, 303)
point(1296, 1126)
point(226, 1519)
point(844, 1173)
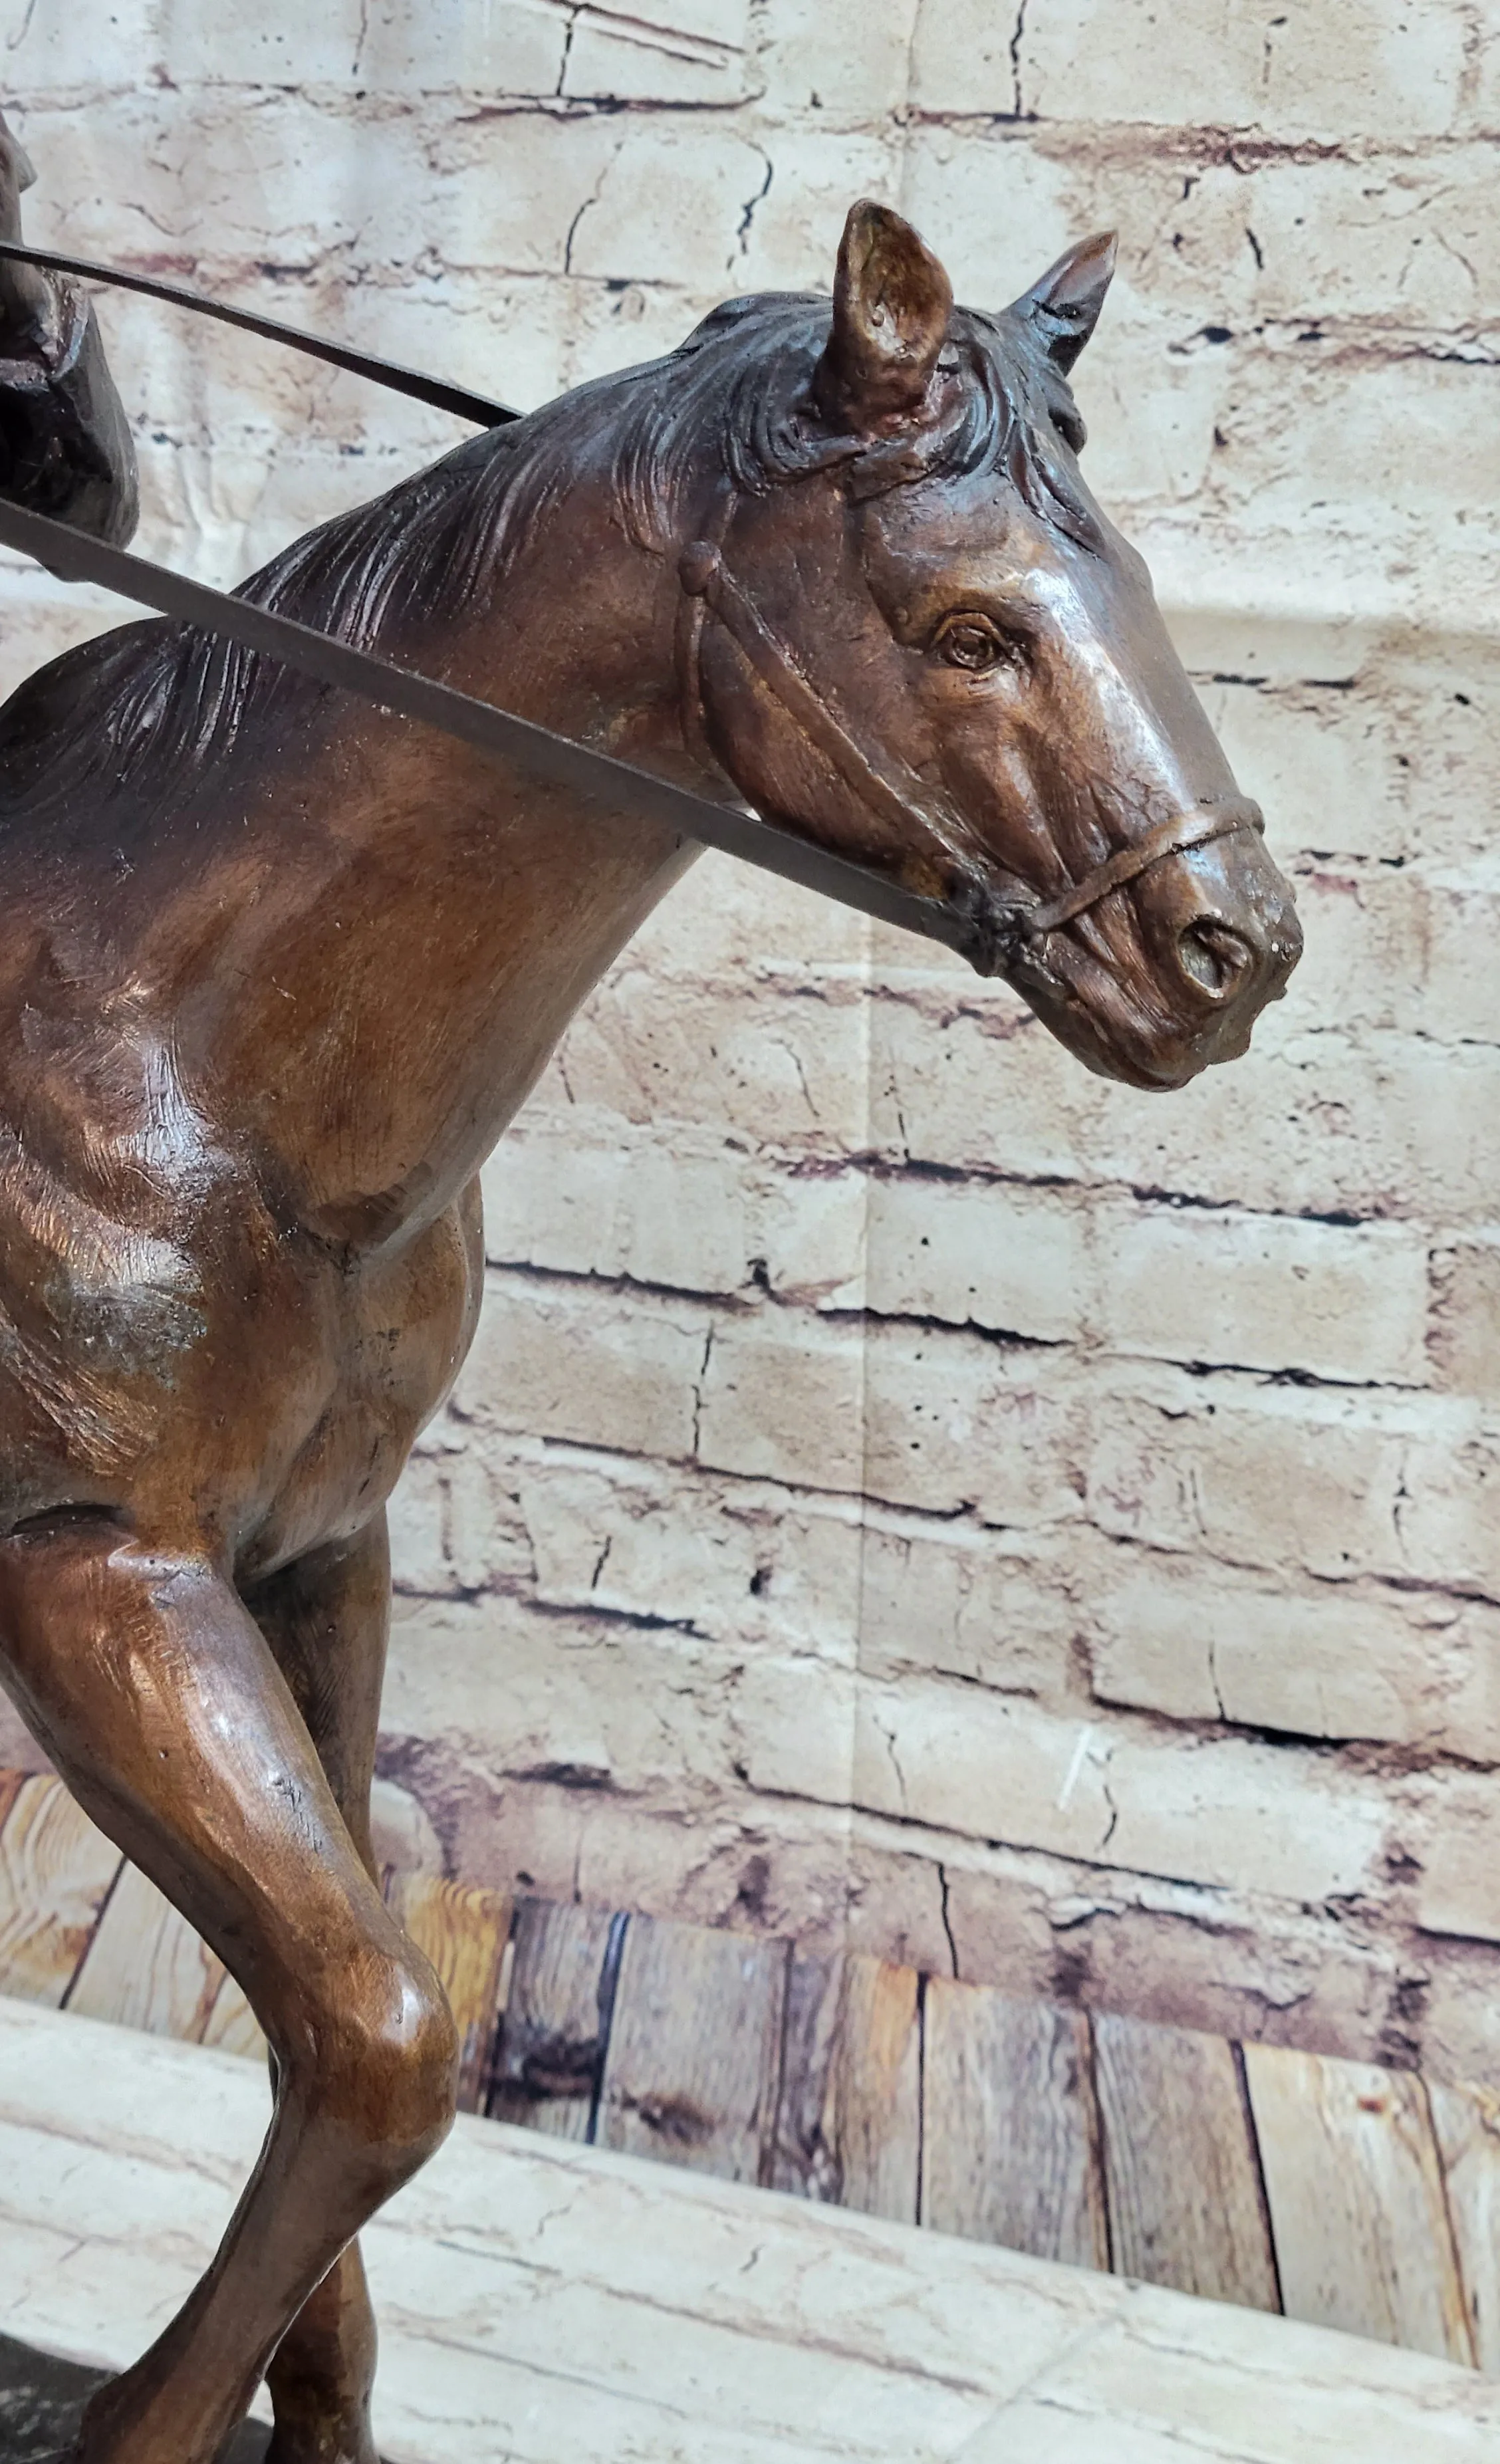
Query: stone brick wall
point(901, 1482)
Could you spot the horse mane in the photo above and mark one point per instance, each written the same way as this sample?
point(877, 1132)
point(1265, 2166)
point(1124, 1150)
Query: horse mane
point(155, 712)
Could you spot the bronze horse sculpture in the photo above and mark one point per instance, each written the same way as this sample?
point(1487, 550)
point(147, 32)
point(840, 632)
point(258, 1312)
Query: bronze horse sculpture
point(276, 970)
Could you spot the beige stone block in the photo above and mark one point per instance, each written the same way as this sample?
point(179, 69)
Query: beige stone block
point(1318, 1120)
point(1461, 2023)
point(1384, 235)
point(896, 1899)
point(1015, 1260)
point(678, 198)
point(1465, 1317)
point(1194, 1646)
point(1171, 1954)
point(516, 44)
point(1244, 427)
point(1449, 1528)
point(842, 58)
point(1247, 1817)
point(1379, 68)
point(794, 1078)
point(789, 231)
point(630, 1210)
point(417, 1518)
point(962, 59)
point(1156, 1643)
point(486, 1542)
point(744, 1863)
point(812, 1231)
point(279, 183)
point(1379, 759)
point(950, 1421)
point(1370, 943)
point(785, 1400)
point(1171, 460)
point(686, 52)
point(990, 1606)
point(1317, 759)
point(591, 1704)
point(1267, 1292)
point(51, 45)
point(1458, 1891)
point(795, 1720)
point(1448, 992)
point(567, 1362)
point(1218, 1812)
point(1393, 412)
point(1269, 1476)
point(742, 1563)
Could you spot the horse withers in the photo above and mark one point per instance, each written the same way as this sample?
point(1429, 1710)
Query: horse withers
point(277, 969)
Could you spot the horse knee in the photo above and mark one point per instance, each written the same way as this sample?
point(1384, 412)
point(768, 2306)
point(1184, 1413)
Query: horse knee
point(387, 2062)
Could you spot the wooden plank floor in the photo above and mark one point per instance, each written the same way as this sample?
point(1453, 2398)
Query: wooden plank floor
point(1343, 2195)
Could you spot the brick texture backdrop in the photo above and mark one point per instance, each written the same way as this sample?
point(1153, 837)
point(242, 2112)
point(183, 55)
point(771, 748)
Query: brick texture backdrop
point(904, 1488)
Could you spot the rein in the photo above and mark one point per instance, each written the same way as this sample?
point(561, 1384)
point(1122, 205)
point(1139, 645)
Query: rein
point(382, 372)
point(985, 932)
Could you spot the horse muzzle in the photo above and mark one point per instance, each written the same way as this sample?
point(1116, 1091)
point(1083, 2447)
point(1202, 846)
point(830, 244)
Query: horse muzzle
point(1161, 960)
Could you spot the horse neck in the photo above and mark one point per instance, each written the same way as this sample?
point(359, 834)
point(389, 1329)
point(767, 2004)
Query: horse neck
point(400, 1013)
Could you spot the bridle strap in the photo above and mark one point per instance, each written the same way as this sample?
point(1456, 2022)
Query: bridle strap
point(706, 577)
point(708, 583)
point(1175, 837)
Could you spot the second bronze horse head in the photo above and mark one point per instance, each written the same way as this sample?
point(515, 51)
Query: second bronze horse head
point(1030, 745)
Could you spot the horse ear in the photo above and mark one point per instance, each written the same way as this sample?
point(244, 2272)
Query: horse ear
point(1063, 308)
point(891, 301)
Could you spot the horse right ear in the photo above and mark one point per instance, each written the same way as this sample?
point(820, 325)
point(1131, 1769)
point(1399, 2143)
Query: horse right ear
point(1063, 308)
point(892, 302)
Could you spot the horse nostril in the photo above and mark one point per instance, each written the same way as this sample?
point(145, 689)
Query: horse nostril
point(1217, 957)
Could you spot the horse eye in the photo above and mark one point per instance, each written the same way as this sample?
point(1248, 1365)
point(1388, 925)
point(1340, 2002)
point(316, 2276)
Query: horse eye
point(969, 641)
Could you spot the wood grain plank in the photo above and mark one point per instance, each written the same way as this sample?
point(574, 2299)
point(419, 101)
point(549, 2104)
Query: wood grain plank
point(693, 2065)
point(1182, 2177)
point(1467, 2120)
point(550, 2051)
point(463, 1930)
point(55, 1873)
point(145, 1966)
point(805, 2152)
point(848, 2125)
point(1011, 2128)
point(1350, 2161)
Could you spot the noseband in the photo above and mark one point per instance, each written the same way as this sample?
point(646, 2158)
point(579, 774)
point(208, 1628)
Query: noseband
point(894, 791)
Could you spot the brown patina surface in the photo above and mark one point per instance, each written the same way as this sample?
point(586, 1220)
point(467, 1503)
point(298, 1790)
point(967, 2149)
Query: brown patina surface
point(276, 971)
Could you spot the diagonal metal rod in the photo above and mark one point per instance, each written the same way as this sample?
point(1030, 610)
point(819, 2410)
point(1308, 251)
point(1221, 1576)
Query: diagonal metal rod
point(518, 742)
point(432, 390)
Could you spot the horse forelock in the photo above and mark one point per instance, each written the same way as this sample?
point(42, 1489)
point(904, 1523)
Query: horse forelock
point(157, 710)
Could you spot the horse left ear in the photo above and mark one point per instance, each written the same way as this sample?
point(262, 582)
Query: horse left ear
point(892, 302)
point(1063, 308)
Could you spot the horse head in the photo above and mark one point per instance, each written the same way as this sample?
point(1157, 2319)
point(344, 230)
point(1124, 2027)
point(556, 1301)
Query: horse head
point(911, 634)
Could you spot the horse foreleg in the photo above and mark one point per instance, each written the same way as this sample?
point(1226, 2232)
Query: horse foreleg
point(162, 1704)
point(327, 1620)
